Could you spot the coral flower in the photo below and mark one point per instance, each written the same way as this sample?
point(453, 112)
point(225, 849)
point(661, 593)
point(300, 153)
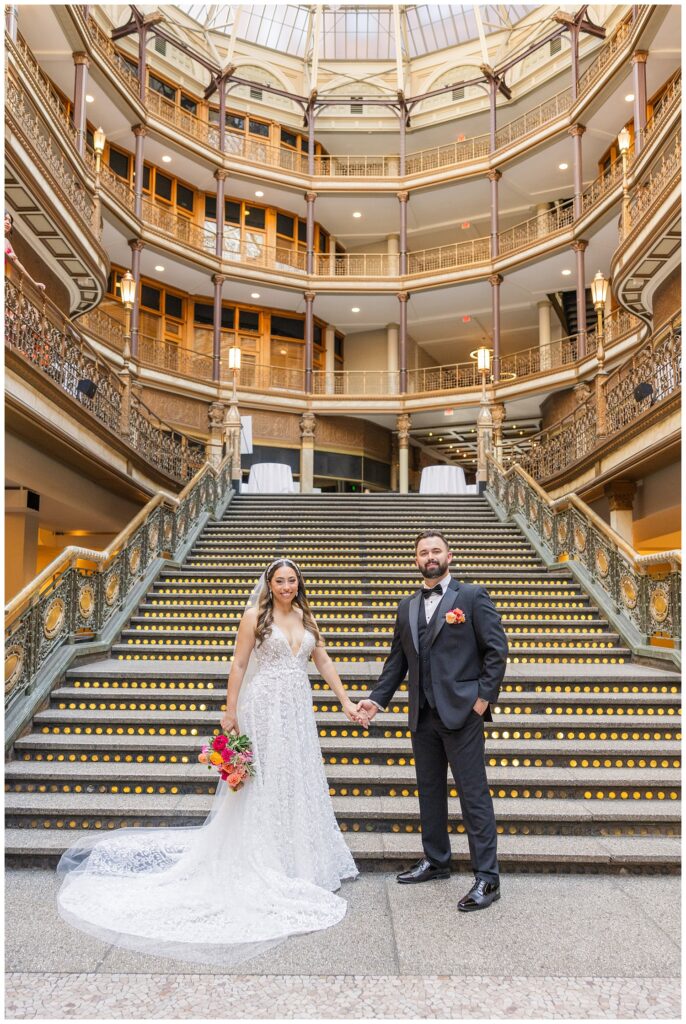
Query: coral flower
point(203, 758)
point(215, 758)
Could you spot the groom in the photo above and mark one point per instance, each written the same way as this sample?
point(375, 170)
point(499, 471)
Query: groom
point(450, 637)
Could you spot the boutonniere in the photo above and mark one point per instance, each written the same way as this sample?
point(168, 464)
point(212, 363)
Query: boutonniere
point(455, 615)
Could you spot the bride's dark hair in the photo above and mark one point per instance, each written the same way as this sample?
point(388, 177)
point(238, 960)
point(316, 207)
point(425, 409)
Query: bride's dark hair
point(265, 607)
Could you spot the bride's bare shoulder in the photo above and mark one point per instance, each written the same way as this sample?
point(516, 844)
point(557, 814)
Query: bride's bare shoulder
point(250, 617)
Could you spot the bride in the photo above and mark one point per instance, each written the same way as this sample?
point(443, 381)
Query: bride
point(266, 862)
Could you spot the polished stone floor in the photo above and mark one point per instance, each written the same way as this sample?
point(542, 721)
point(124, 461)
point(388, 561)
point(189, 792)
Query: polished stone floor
point(555, 946)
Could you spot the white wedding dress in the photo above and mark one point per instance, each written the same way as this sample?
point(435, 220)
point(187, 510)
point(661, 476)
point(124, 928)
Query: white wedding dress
point(262, 867)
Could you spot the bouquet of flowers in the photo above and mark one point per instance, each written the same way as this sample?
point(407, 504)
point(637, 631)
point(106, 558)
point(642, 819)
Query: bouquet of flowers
point(231, 755)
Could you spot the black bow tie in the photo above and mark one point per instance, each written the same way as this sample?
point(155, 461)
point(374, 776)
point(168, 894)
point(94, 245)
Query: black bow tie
point(428, 591)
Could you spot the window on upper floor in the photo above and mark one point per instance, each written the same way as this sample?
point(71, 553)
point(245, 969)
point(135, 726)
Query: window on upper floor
point(289, 138)
point(163, 187)
point(288, 327)
point(184, 197)
point(285, 225)
point(151, 298)
point(120, 163)
point(173, 306)
point(258, 128)
point(163, 88)
point(248, 320)
point(189, 104)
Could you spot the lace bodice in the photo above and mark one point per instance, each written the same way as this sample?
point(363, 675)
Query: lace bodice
point(275, 655)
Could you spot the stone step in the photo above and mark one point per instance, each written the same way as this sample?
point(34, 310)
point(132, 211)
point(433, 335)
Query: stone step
point(375, 749)
point(508, 726)
point(360, 636)
point(390, 851)
point(634, 817)
point(150, 618)
point(619, 705)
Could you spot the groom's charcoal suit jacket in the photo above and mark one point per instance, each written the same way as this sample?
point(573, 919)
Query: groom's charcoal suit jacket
point(467, 660)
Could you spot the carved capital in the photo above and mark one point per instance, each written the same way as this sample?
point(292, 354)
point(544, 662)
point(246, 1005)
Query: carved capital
point(494, 174)
point(310, 296)
point(310, 197)
point(495, 280)
point(139, 130)
point(81, 58)
point(498, 414)
point(403, 296)
point(403, 196)
point(620, 495)
point(137, 244)
point(218, 279)
point(307, 425)
point(221, 174)
point(403, 423)
point(582, 392)
point(580, 245)
point(639, 56)
point(215, 415)
point(577, 129)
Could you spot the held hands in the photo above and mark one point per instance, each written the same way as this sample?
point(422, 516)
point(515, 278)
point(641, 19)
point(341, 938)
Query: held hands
point(355, 713)
point(368, 708)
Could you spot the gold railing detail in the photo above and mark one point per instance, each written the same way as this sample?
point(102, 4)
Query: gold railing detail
point(648, 194)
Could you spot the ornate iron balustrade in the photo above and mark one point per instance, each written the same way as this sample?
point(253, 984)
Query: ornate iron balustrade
point(606, 54)
point(641, 592)
point(260, 377)
point(665, 106)
point(106, 328)
point(443, 378)
point(647, 196)
point(182, 120)
point(37, 329)
point(356, 264)
point(112, 183)
point(454, 153)
point(535, 229)
point(115, 61)
point(172, 358)
point(530, 122)
point(657, 362)
point(182, 229)
point(23, 57)
point(29, 126)
point(606, 182)
point(472, 253)
point(620, 323)
point(83, 591)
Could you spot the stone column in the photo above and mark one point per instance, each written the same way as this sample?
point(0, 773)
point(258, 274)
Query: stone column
point(494, 177)
point(215, 416)
point(392, 344)
point(21, 542)
point(11, 21)
point(139, 131)
point(498, 418)
point(81, 65)
point(620, 495)
point(403, 198)
point(403, 423)
point(307, 425)
point(217, 281)
point(495, 282)
point(544, 340)
point(309, 340)
point(484, 442)
point(579, 247)
point(402, 342)
point(137, 246)
point(330, 358)
point(310, 200)
point(393, 250)
point(638, 59)
point(576, 131)
point(232, 443)
point(220, 176)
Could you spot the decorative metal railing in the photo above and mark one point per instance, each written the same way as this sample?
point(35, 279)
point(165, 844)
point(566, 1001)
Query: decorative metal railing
point(472, 253)
point(113, 184)
point(82, 591)
point(607, 53)
point(173, 358)
point(535, 229)
point(661, 179)
point(23, 56)
point(610, 409)
point(37, 329)
point(381, 383)
point(668, 103)
point(26, 123)
point(605, 183)
point(643, 591)
point(260, 377)
point(356, 264)
point(123, 71)
point(182, 229)
point(101, 325)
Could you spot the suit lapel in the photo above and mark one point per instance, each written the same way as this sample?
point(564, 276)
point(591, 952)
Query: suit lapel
point(438, 620)
point(413, 612)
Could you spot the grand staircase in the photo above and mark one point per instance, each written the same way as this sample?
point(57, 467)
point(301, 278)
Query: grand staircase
point(583, 754)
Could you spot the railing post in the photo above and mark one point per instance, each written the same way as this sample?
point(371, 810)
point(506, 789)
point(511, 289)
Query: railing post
point(309, 340)
point(576, 131)
point(221, 176)
point(310, 198)
point(638, 59)
point(494, 177)
point(139, 131)
point(495, 281)
point(81, 65)
point(402, 342)
point(217, 281)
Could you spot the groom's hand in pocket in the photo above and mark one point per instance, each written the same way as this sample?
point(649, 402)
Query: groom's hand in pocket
point(480, 706)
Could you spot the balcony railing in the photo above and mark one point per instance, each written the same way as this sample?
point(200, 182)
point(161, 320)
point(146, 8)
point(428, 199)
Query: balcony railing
point(29, 125)
point(127, 77)
point(172, 358)
point(260, 377)
point(356, 264)
point(98, 323)
point(606, 54)
point(375, 383)
point(535, 229)
point(669, 101)
point(603, 184)
point(661, 179)
point(37, 329)
point(657, 363)
point(454, 256)
point(54, 105)
point(192, 126)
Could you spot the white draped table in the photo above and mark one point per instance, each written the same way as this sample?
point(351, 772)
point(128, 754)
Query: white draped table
point(445, 480)
point(270, 478)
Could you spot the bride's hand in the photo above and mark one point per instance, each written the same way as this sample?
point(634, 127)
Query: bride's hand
point(230, 722)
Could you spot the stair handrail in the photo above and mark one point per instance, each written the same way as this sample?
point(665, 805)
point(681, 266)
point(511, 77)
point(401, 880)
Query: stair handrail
point(640, 593)
point(68, 600)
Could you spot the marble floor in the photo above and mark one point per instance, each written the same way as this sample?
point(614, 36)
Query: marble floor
point(555, 946)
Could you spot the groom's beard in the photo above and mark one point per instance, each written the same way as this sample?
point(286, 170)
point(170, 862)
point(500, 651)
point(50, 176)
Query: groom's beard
point(435, 571)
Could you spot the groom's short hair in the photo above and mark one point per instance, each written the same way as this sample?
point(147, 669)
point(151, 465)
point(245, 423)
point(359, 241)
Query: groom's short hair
point(431, 533)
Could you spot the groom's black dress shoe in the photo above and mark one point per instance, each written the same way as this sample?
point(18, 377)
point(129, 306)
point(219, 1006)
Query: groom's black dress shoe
point(423, 871)
point(480, 896)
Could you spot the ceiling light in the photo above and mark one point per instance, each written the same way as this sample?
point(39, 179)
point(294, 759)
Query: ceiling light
point(465, 224)
point(166, 159)
point(431, 433)
point(283, 351)
point(466, 319)
point(90, 99)
point(355, 309)
point(254, 295)
point(159, 268)
point(566, 273)
point(563, 167)
point(259, 194)
point(629, 97)
point(357, 215)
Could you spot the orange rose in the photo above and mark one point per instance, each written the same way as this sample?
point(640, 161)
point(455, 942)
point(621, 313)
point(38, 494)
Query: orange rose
point(450, 617)
point(215, 758)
